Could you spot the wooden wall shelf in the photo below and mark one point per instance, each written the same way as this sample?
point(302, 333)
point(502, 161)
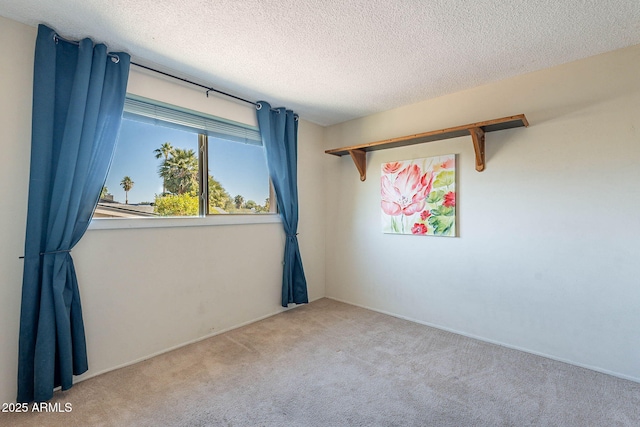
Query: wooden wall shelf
point(476, 130)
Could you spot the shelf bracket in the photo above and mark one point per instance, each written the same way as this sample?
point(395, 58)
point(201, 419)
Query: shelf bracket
point(360, 159)
point(477, 135)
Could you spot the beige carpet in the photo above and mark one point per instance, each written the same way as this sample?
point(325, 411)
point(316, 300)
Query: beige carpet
point(332, 364)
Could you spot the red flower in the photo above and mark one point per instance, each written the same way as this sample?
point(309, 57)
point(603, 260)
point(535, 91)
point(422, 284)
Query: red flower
point(392, 167)
point(424, 215)
point(449, 199)
point(407, 194)
point(419, 228)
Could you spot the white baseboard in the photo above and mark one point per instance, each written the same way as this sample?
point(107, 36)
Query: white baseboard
point(84, 377)
point(502, 344)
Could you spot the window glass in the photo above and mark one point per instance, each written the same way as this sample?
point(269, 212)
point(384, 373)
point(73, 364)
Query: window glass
point(239, 181)
point(155, 169)
point(140, 155)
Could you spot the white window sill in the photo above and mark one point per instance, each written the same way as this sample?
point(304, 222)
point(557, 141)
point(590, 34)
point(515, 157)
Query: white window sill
point(211, 220)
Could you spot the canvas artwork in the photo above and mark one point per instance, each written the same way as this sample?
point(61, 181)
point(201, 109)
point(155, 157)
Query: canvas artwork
point(419, 196)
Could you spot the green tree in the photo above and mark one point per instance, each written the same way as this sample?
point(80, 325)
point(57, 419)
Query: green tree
point(267, 204)
point(180, 171)
point(103, 192)
point(218, 196)
point(185, 204)
point(239, 201)
point(250, 204)
point(165, 151)
point(127, 185)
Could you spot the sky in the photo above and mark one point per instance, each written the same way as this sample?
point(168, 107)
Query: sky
point(240, 168)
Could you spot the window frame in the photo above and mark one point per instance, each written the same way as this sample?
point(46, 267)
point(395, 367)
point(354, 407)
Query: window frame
point(187, 221)
point(204, 218)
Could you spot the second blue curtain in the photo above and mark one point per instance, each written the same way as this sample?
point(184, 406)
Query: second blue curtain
point(279, 132)
point(78, 97)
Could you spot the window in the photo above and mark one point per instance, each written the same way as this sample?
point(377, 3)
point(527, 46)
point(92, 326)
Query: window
point(173, 162)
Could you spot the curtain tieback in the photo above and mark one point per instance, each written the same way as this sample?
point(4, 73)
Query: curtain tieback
point(292, 235)
point(49, 253)
point(55, 252)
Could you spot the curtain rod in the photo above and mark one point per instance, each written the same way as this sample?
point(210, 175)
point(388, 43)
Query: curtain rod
point(209, 89)
point(258, 106)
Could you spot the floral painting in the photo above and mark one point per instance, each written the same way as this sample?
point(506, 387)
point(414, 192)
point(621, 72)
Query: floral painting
point(419, 196)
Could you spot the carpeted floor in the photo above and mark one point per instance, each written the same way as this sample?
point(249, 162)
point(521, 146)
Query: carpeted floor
point(333, 364)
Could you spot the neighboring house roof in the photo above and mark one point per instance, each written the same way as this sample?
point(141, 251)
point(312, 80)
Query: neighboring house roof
point(109, 209)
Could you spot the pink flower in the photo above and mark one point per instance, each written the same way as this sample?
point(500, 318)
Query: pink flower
point(407, 194)
point(392, 167)
point(448, 164)
point(449, 199)
point(419, 229)
point(424, 215)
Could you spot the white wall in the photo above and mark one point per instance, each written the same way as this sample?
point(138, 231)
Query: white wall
point(547, 254)
point(16, 81)
point(145, 291)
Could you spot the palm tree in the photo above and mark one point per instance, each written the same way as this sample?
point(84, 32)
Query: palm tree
point(127, 184)
point(239, 200)
point(165, 150)
point(180, 171)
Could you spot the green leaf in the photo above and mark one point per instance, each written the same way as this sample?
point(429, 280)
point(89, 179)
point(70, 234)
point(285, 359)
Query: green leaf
point(435, 196)
point(445, 178)
point(442, 224)
point(394, 226)
point(443, 211)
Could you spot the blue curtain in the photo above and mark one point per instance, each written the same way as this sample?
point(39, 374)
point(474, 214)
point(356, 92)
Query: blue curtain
point(279, 132)
point(78, 97)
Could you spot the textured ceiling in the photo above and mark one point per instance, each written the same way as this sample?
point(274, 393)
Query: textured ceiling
point(334, 60)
